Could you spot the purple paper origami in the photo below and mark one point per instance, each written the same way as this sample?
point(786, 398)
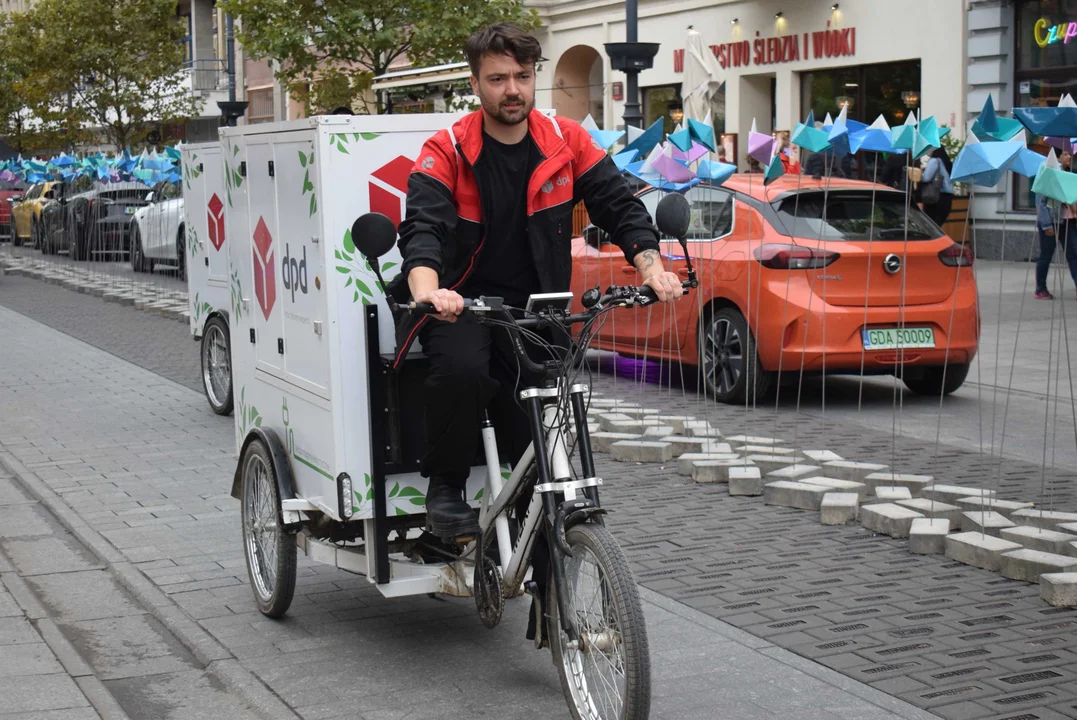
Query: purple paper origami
point(671, 169)
point(760, 146)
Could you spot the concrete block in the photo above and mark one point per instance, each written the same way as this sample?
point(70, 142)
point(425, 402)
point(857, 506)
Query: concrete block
point(676, 421)
point(701, 428)
point(889, 493)
point(788, 493)
point(888, 519)
point(754, 440)
point(610, 402)
point(765, 450)
point(793, 472)
point(606, 419)
point(983, 521)
point(637, 412)
point(1059, 589)
point(1002, 507)
point(841, 486)
point(681, 444)
point(745, 480)
point(767, 463)
point(601, 441)
point(839, 508)
point(630, 426)
point(951, 493)
point(657, 431)
point(1028, 565)
point(915, 483)
point(715, 470)
point(934, 509)
point(978, 550)
point(1047, 519)
point(592, 428)
point(927, 536)
point(849, 470)
point(640, 451)
point(1034, 538)
point(1067, 527)
point(687, 461)
point(822, 456)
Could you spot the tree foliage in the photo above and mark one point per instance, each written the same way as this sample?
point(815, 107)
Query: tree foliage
point(329, 51)
point(110, 68)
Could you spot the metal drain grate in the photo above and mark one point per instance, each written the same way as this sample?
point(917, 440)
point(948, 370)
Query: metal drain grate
point(989, 620)
point(1030, 677)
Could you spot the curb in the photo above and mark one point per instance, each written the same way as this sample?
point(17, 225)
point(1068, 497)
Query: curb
point(215, 658)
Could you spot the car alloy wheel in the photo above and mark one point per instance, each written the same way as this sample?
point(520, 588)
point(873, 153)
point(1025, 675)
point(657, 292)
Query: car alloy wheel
point(723, 355)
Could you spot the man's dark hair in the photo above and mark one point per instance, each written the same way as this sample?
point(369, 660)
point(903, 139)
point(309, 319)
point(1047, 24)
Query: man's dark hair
point(501, 39)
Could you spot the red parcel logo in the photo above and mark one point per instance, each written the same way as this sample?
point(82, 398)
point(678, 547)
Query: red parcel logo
point(215, 215)
point(389, 188)
point(265, 281)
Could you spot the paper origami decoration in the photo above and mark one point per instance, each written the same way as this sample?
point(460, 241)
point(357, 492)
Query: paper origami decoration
point(702, 132)
point(990, 126)
point(715, 173)
point(838, 135)
point(927, 137)
point(774, 171)
point(1062, 143)
point(984, 163)
point(1054, 182)
point(1027, 163)
point(903, 137)
point(760, 146)
point(623, 159)
point(807, 136)
point(682, 139)
point(655, 180)
point(1058, 121)
point(643, 140)
point(876, 137)
point(603, 138)
point(670, 169)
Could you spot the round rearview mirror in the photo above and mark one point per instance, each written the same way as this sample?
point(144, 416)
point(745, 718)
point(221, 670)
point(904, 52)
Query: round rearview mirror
point(673, 216)
point(373, 235)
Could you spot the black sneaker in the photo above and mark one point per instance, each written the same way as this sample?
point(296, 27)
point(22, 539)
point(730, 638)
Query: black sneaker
point(447, 514)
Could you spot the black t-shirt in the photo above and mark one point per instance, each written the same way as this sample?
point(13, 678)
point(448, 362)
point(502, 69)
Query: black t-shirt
point(505, 266)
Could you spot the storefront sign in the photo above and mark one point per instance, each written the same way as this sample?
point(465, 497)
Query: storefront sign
point(782, 49)
point(1046, 35)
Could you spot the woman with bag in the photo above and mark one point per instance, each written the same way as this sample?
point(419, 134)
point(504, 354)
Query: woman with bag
point(936, 188)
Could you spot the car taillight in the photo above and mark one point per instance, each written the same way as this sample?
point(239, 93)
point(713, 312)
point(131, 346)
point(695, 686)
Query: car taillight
point(793, 257)
point(957, 256)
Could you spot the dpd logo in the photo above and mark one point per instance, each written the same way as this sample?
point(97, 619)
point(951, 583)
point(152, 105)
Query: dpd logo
point(389, 187)
point(215, 216)
point(294, 272)
point(265, 281)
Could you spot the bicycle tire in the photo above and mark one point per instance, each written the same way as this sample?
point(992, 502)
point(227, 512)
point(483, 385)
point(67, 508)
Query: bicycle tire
point(621, 595)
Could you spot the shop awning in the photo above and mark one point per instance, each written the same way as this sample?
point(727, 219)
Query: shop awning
point(422, 76)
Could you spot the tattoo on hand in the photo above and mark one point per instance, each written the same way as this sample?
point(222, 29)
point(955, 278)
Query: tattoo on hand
point(646, 260)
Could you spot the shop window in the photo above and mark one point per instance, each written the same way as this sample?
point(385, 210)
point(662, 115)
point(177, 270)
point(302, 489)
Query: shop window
point(664, 101)
point(260, 105)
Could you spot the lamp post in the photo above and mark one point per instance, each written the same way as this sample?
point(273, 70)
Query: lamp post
point(631, 57)
point(231, 109)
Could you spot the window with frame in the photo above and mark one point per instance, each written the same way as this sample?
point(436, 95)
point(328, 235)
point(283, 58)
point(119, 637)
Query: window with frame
point(711, 211)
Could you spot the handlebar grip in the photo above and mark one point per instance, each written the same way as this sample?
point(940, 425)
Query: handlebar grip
point(429, 309)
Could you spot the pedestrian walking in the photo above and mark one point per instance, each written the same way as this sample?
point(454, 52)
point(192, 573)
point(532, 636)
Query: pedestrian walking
point(936, 188)
point(1055, 225)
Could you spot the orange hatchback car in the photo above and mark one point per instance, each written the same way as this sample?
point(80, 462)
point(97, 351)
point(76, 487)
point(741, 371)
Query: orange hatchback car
point(800, 275)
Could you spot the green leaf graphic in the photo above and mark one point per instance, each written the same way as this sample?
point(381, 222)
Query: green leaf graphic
point(365, 301)
point(410, 492)
point(363, 287)
point(369, 135)
point(401, 511)
point(387, 266)
point(349, 244)
point(349, 281)
point(303, 159)
point(343, 270)
point(313, 203)
point(356, 298)
point(395, 490)
point(418, 501)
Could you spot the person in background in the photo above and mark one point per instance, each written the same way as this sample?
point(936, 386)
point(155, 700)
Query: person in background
point(1055, 225)
point(721, 154)
point(754, 166)
point(893, 171)
point(788, 153)
point(939, 164)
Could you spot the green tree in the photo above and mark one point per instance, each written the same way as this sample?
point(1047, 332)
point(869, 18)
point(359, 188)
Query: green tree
point(113, 67)
point(330, 50)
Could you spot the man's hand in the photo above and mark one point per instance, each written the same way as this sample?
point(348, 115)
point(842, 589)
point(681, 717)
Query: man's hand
point(666, 285)
point(1049, 232)
point(448, 303)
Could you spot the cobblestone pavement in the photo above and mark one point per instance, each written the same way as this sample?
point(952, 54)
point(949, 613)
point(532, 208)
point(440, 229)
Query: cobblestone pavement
point(957, 640)
point(140, 467)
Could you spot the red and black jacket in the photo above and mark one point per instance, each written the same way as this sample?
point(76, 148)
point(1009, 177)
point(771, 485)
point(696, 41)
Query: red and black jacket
point(443, 223)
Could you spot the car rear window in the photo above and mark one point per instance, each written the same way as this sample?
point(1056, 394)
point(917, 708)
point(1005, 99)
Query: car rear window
point(853, 215)
point(124, 195)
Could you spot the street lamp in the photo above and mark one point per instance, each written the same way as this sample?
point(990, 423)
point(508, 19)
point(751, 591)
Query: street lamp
point(631, 57)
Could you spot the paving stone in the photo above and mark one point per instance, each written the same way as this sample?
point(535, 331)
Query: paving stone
point(632, 425)
point(892, 493)
point(700, 428)
point(681, 445)
point(927, 536)
point(605, 420)
point(745, 480)
point(1049, 541)
point(637, 412)
point(715, 470)
point(767, 463)
point(1059, 589)
point(676, 421)
point(839, 508)
point(754, 440)
point(951, 493)
point(658, 431)
point(822, 456)
point(841, 486)
point(687, 461)
point(1067, 527)
point(915, 483)
point(1047, 519)
point(793, 472)
point(1002, 507)
point(765, 450)
point(978, 550)
point(788, 493)
point(934, 509)
point(983, 521)
point(851, 470)
point(601, 441)
point(1028, 565)
point(888, 519)
point(641, 451)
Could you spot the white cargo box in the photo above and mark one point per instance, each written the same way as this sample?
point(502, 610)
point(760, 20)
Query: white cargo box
point(203, 220)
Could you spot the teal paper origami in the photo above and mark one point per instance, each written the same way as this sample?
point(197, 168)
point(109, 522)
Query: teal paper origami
point(990, 126)
point(875, 137)
point(682, 139)
point(1028, 163)
point(646, 139)
point(774, 171)
point(806, 135)
point(1055, 183)
point(838, 135)
point(984, 164)
point(927, 137)
point(703, 133)
point(903, 137)
point(716, 173)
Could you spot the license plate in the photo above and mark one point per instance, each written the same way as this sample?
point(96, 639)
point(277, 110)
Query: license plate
point(129, 210)
point(898, 338)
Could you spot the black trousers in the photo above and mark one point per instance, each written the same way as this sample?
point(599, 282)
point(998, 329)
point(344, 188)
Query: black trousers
point(941, 210)
point(473, 370)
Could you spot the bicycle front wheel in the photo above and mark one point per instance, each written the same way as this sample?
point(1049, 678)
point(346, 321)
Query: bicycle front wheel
point(608, 676)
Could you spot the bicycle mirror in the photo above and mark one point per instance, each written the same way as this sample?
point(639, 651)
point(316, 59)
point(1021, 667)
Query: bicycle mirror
point(673, 216)
point(373, 235)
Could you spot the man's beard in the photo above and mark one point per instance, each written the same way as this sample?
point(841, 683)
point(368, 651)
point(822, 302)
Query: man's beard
point(509, 116)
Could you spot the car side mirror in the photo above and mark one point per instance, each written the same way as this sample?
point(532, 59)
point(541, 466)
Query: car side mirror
point(14, 199)
point(595, 236)
point(149, 197)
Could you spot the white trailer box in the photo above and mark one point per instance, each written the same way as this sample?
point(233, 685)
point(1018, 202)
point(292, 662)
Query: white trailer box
point(299, 329)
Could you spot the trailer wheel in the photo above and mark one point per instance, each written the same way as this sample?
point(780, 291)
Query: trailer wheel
point(217, 365)
point(270, 551)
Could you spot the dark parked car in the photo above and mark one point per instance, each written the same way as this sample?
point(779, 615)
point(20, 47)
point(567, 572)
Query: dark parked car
point(90, 219)
point(10, 193)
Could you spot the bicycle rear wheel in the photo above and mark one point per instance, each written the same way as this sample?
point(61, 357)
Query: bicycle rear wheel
point(608, 677)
